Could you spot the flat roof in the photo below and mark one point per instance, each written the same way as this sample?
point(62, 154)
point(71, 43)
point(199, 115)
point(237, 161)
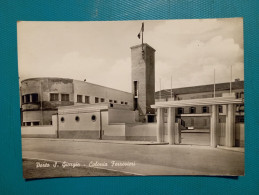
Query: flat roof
point(198, 102)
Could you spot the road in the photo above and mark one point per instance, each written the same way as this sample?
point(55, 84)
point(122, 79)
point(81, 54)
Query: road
point(148, 159)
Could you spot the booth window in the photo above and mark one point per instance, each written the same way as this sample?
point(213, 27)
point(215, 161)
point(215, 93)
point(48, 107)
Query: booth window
point(79, 98)
point(65, 97)
point(54, 97)
point(87, 99)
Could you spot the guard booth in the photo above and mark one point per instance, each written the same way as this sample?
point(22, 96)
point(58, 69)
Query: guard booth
point(230, 103)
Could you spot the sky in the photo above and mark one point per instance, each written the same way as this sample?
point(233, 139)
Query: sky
point(187, 51)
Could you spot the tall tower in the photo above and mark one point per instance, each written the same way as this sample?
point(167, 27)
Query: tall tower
point(143, 80)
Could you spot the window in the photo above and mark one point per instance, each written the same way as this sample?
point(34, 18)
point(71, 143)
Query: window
point(242, 95)
point(96, 100)
point(205, 109)
point(54, 97)
point(115, 101)
point(87, 99)
point(27, 98)
point(34, 97)
point(102, 100)
point(65, 97)
point(136, 88)
point(110, 101)
point(79, 99)
point(126, 103)
point(77, 118)
point(36, 123)
point(62, 119)
point(122, 102)
point(180, 110)
point(93, 118)
point(220, 109)
point(192, 110)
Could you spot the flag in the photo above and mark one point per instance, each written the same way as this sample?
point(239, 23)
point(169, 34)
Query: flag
point(141, 30)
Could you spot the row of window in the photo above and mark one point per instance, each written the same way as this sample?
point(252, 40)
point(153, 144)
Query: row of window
point(35, 123)
point(96, 100)
point(192, 110)
point(30, 98)
point(77, 118)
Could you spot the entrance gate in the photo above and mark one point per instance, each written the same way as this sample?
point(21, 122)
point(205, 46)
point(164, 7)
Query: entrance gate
point(230, 103)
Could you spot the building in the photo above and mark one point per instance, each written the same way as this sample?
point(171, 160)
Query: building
point(41, 97)
point(67, 108)
point(198, 117)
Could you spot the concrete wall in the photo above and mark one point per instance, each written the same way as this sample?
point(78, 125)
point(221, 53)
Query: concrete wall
point(39, 131)
point(112, 131)
point(121, 116)
point(85, 128)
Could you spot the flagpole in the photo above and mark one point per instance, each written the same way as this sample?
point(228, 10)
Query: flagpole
point(230, 79)
point(214, 84)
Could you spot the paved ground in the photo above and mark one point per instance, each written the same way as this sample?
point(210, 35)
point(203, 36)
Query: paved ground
point(143, 159)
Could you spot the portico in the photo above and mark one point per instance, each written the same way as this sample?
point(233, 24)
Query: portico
point(230, 103)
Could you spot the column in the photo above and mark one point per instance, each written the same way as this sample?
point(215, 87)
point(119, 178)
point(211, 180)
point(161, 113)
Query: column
point(171, 125)
point(230, 126)
point(213, 127)
point(160, 124)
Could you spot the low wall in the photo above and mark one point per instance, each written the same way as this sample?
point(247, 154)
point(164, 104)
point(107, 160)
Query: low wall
point(39, 131)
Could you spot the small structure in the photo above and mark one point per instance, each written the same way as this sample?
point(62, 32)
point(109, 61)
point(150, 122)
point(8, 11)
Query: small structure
point(214, 102)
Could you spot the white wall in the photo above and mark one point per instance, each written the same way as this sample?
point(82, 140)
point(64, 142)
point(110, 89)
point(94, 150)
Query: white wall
point(39, 130)
point(85, 122)
point(111, 130)
point(121, 116)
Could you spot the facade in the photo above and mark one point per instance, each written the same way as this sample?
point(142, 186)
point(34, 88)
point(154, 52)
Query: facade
point(41, 97)
point(198, 117)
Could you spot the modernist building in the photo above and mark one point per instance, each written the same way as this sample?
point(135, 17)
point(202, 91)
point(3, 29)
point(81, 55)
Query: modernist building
point(41, 97)
point(198, 117)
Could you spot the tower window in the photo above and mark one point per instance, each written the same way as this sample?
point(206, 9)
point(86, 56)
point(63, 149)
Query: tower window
point(54, 97)
point(136, 88)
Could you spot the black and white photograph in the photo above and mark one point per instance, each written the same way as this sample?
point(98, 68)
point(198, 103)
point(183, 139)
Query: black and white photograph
point(131, 98)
